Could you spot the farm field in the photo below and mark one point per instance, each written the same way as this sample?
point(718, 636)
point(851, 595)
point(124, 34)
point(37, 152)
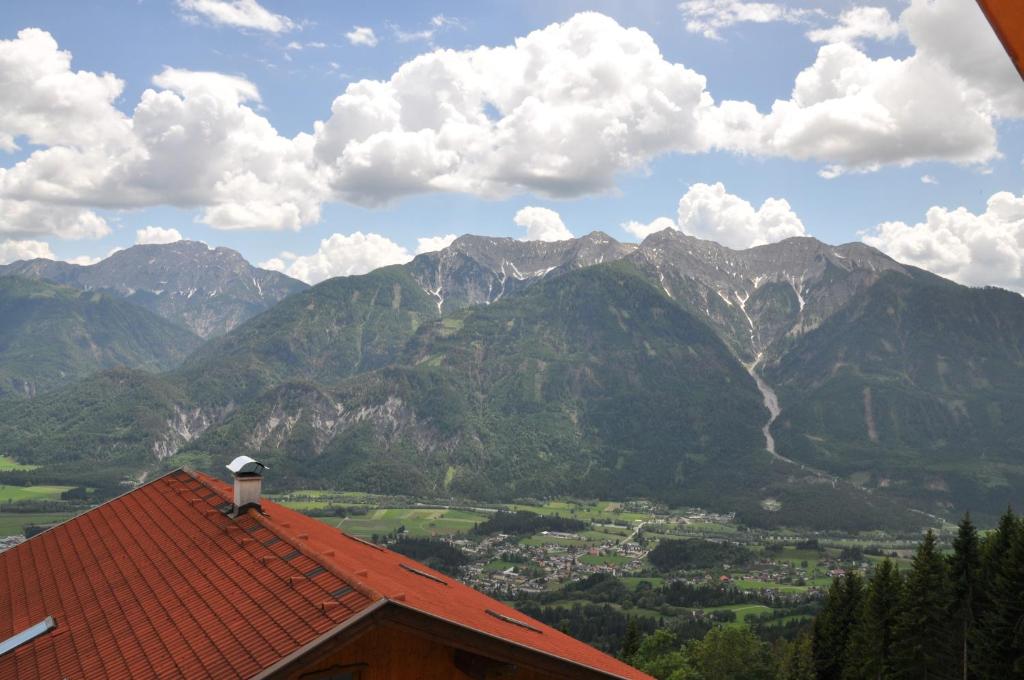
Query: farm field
point(417, 522)
point(14, 523)
point(743, 611)
point(8, 464)
point(9, 494)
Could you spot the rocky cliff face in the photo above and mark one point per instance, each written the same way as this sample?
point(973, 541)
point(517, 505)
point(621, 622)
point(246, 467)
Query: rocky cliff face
point(477, 270)
point(207, 290)
point(756, 298)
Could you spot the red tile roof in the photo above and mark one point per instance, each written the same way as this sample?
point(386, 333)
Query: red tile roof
point(161, 582)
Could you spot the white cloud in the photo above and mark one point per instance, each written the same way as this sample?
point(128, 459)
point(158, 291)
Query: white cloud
point(11, 251)
point(362, 35)
point(438, 22)
point(32, 218)
point(430, 244)
point(985, 249)
point(642, 231)
point(541, 224)
point(342, 255)
point(709, 17)
point(560, 112)
point(708, 211)
point(194, 141)
point(928, 179)
point(151, 235)
point(856, 24)
point(84, 260)
point(956, 35)
point(238, 13)
point(42, 99)
point(855, 113)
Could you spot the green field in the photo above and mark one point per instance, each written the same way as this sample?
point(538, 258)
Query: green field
point(633, 581)
point(742, 611)
point(744, 584)
point(596, 511)
point(10, 494)
point(417, 521)
point(540, 539)
point(8, 464)
point(12, 523)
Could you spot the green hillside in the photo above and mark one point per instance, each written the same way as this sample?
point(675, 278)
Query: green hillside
point(914, 387)
point(52, 335)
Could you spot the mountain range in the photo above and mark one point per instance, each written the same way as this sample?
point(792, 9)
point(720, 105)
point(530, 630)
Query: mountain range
point(796, 382)
point(207, 290)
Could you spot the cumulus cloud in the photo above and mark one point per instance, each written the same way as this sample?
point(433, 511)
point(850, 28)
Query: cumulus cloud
point(642, 231)
point(362, 35)
point(856, 24)
point(341, 255)
point(855, 113)
point(46, 102)
point(192, 141)
point(33, 218)
point(150, 235)
point(430, 244)
point(709, 17)
point(957, 36)
point(247, 14)
point(928, 179)
point(12, 251)
point(84, 260)
point(559, 113)
point(974, 249)
point(708, 211)
point(541, 224)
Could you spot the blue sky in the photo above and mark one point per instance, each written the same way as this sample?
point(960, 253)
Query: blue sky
point(839, 186)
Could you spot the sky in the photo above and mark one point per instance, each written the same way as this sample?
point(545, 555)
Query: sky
point(325, 138)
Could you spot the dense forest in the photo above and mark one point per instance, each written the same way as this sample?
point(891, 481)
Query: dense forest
point(959, 615)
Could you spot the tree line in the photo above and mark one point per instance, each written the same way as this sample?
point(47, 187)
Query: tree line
point(951, 616)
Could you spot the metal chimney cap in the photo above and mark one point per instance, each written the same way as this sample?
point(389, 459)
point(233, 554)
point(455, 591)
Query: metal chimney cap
point(244, 465)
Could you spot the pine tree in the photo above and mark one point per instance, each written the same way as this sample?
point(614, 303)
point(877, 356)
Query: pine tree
point(797, 660)
point(924, 640)
point(834, 625)
point(999, 636)
point(964, 571)
point(631, 643)
point(870, 654)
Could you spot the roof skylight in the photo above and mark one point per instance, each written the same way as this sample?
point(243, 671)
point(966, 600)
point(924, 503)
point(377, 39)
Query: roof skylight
point(27, 635)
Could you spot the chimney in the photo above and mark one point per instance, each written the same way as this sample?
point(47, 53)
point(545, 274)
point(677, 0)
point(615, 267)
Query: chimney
point(248, 475)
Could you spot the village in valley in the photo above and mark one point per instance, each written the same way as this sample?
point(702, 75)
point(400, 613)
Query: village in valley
point(539, 550)
point(572, 561)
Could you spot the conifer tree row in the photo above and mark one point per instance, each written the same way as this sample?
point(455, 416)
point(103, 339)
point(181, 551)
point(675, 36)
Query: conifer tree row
point(947, 617)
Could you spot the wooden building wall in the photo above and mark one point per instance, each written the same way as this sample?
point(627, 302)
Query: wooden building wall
point(391, 652)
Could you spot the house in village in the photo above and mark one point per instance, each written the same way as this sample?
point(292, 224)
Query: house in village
point(185, 577)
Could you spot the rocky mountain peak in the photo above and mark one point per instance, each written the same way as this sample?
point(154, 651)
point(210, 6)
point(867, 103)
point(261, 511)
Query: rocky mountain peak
point(207, 290)
point(483, 269)
point(759, 296)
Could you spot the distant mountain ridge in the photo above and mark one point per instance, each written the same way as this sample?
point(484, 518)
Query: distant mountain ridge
point(674, 368)
point(206, 290)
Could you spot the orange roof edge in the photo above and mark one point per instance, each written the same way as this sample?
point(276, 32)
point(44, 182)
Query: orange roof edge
point(1007, 20)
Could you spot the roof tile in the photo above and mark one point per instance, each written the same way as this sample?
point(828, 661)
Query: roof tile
point(160, 582)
